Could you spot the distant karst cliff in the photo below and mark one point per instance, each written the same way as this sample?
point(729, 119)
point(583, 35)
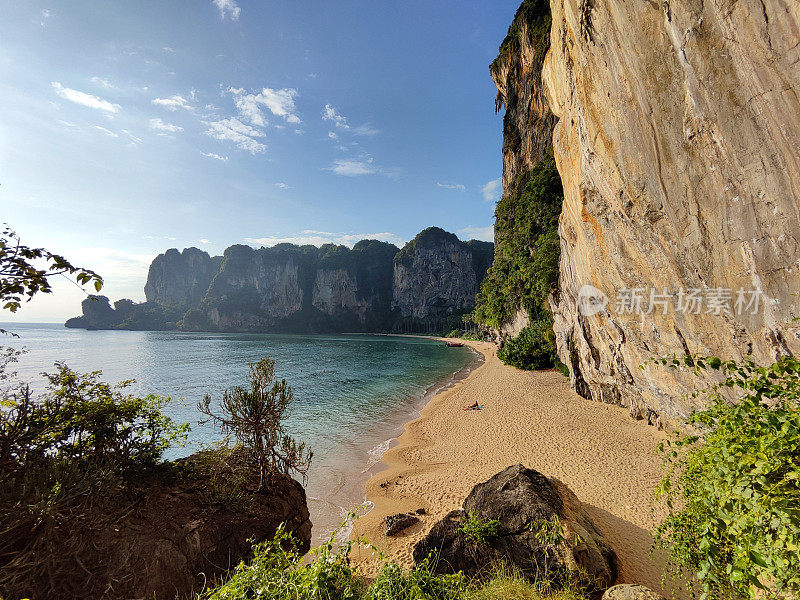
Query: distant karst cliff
point(436, 274)
point(372, 287)
point(676, 138)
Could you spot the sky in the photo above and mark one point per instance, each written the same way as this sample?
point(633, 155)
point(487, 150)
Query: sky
point(130, 127)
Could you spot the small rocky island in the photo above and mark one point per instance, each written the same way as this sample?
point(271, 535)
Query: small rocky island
point(372, 287)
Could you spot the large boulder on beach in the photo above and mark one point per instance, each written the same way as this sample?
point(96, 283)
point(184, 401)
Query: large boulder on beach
point(542, 527)
point(627, 591)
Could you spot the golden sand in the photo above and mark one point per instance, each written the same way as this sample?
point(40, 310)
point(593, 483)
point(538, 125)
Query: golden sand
point(606, 457)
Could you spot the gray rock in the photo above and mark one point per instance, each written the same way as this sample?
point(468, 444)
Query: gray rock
point(626, 591)
point(436, 274)
point(397, 523)
point(521, 500)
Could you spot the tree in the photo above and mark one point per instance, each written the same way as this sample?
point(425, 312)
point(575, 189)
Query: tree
point(20, 278)
point(254, 417)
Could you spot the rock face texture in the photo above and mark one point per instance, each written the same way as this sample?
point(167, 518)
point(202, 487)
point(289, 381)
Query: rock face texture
point(300, 288)
point(523, 501)
point(437, 274)
point(625, 591)
point(180, 279)
point(528, 122)
point(677, 144)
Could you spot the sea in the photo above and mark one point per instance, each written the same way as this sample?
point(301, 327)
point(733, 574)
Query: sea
point(352, 393)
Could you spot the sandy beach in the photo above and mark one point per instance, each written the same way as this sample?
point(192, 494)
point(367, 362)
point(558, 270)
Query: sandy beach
point(533, 418)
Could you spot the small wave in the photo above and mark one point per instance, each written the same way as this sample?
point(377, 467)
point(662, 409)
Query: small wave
point(376, 454)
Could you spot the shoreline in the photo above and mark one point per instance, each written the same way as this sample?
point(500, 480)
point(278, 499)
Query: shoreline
point(348, 495)
point(607, 458)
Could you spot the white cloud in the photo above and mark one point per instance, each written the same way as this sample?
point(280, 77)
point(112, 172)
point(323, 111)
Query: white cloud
point(159, 125)
point(204, 241)
point(132, 138)
point(492, 190)
point(353, 167)
point(67, 123)
point(329, 114)
point(279, 102)
point(84, 99)
point(366, 130)
point(108, 132)
point(478, 233)
point(173, 102)
point(228, 8)
point(46, 14)
point(281, 185)
point(363, 165)
point(241, 134)
point(215, 156)
point(318, 238)
point(452, 186)
point(168, 49)
point(332, 135)
point(104, 83)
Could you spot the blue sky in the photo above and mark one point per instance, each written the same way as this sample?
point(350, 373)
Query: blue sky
point(132, 127)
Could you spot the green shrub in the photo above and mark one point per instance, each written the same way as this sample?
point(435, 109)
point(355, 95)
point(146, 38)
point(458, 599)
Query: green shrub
point(733, 492)
point(420, 583)
point(479, 530)
point(254, 415)
point(276, 572)
point(82, 420)
point(533, 348)
point(67, 459)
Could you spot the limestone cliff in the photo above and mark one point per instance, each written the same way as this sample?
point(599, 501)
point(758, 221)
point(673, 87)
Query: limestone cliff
point(677, 144)
point(437, 274)
point(180, 279)
point(289, 288)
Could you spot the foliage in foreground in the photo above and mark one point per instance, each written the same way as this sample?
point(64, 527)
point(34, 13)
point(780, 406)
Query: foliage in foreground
point(65, 460)
point(525, 268)
point(734, 494)
point(277, 571)
point(479, 530)
point(254, 417)
point(21, 278)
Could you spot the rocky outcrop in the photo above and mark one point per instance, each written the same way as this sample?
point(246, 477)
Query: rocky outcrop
point(626, 591)
point(676, 143)
point(126, 314)
point(399, 522)
point(289, 288)
point(435, 274)
point(526, 504)
point(180, 279)
point(162, 535)
point(528, 122)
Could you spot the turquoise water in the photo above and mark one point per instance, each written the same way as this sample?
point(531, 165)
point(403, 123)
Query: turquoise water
point(352, 392)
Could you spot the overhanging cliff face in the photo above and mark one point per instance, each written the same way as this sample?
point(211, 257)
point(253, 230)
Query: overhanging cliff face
point(678, 144)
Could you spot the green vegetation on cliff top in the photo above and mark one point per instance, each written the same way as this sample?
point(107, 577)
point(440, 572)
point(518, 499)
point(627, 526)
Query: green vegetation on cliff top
point(536, 14)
